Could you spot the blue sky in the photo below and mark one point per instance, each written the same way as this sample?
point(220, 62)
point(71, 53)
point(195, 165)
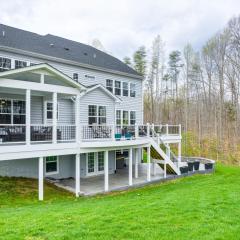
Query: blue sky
point(122, 26)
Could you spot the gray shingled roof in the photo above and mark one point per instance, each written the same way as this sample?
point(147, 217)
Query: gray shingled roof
point(62, 48)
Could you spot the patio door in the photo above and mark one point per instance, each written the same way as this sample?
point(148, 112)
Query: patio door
point(95, 163)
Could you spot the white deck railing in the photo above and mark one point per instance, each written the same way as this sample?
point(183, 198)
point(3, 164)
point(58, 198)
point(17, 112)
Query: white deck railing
point(40, 133)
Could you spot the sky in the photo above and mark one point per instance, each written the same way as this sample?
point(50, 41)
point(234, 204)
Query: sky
point(124, 25)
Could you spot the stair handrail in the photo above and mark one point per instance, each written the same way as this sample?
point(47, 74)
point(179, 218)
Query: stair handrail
point(160, 141)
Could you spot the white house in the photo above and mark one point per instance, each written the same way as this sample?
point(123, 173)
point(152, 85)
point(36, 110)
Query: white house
point(74, 115)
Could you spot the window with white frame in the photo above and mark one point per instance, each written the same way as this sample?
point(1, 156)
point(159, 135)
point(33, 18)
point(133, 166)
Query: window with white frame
point(97, 115)
point(49, 110)
point(100, 161)
point(118, 118)
point(12, 111)
point(125, 89)
point(91, 162)
point(109, 85)
point(5, 64)
point(125, 118)
point(117, 88)
point(20, 64)
point(75, 77)
point(132, 117)
point(51, 165)
point(132, 90)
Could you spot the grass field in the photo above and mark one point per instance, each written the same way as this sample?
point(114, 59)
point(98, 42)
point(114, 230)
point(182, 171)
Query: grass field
point(196, 207)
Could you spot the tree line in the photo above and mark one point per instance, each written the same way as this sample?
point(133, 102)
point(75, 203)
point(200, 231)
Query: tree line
point(198, 89)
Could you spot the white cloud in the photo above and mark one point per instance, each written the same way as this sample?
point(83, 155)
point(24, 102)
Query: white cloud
point(124, 25)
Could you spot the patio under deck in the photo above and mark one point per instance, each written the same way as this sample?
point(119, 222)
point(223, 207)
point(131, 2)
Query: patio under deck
point(117, 181)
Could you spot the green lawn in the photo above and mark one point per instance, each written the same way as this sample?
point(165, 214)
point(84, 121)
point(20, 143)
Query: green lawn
point(197, 207)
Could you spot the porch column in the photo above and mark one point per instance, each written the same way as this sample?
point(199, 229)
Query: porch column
point(28, 116)
point(106, 180)
point(130, 181)
point(54, 121)
point(40, 178)
point(136, 162)
point(148, 163)
point(77, 177)
point(165, 169)
point(179, 153)
point(77, 117)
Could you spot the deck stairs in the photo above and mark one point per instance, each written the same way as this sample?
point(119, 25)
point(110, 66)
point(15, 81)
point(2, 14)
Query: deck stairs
point(163, 157)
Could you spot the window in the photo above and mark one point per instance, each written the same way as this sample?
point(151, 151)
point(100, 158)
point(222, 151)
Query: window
point(12, 111)
point(118, 117)
point(132, 117)
point(125, 118)
point(75, 77)
point(125, 89)
point(109, 85)
point(19, 112)
point(20, 64)
point(102, 118)
point(100, 161)
point(97, 115)
point(51, 165)
point(49, 111)
point(118, 88)
point(132, 90)
point(91, 162)
point(5, 111)
point(5, 64)
point(92, 114)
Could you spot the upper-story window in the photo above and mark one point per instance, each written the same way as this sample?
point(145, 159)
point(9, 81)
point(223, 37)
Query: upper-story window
point(125, 89)
point(125, 118)
point(97, 115)
point(118, 88)
point(132, 90)
point(118, 118)
point(109, 85)
point(132, 117)
point(20, 64)
point(75, 77)
point(12, 111)
point(5, 64)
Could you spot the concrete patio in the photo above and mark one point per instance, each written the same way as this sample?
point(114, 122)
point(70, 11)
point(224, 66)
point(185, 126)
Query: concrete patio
point(117, 181)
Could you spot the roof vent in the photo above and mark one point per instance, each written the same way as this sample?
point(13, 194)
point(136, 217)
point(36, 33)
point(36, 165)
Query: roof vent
point(51, 44)
point(85, 54)
point(3, 33)
point(67, 49)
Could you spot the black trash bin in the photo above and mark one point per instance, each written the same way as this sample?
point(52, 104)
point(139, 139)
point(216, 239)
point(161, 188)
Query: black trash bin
point(196, 165)
point(208, 166)
point(190, 166)
point(184, 170)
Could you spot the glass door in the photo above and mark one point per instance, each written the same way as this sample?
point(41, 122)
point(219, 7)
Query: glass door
point(95, 163)
point(90, 164)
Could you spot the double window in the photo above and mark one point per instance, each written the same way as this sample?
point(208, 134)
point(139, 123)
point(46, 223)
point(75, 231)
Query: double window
point(121, 88)
point(97, 115)
point(20, 64)
point(5, 64)
point(125, 117)
point(51, 165)
point(12, 111)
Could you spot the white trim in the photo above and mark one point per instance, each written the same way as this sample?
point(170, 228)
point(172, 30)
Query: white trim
point(29, 53)
point(43, 66)
point(97, 116)
point(104, 89)
point(55, 172)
